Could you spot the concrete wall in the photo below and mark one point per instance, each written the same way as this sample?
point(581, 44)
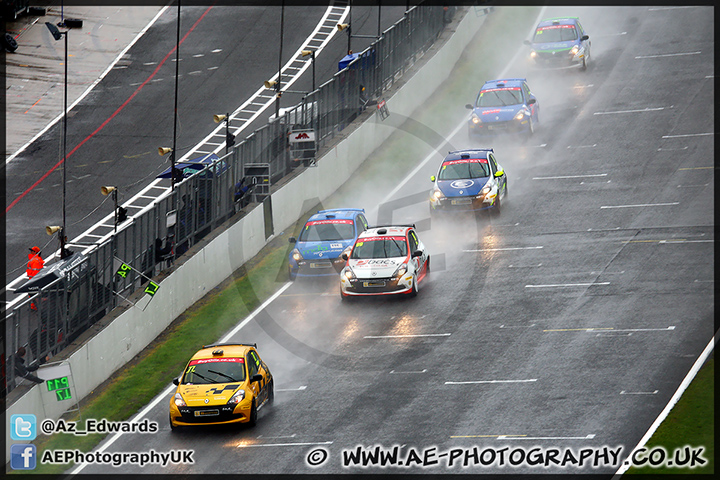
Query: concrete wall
point(134, 328)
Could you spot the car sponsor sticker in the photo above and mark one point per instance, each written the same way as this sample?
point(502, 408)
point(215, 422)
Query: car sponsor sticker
point(499, 89)
point(464, 160)
point(336, 245)
point(375, 261)
point(324, 222)
point(462, 183)
point(383, 237)
point(552, 27)
point(200, 361)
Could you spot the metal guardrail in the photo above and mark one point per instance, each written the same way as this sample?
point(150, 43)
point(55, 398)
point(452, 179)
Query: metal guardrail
point(175, 220)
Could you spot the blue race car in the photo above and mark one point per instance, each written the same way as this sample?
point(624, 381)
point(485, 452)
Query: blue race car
point(323, 239)
point(504, 106)
point(468, 180)
point(559, 43)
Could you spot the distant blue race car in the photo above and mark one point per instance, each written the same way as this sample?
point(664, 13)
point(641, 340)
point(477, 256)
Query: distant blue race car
point(468, 180)
point(504, 106)
point(323, 239)
point(559, 43)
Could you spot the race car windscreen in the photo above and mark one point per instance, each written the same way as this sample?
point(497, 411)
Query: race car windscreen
point(499, 97)
point(555, 33)
point(380, 247)
point(214, 370)
point(326, 230)
point(469, 169)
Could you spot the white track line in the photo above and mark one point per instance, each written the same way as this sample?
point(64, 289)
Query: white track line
point(666, 411)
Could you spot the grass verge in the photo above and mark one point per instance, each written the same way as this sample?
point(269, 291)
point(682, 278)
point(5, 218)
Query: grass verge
point(690, 424)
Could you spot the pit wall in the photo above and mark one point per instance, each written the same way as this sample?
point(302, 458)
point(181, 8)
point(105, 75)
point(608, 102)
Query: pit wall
point(134, 328)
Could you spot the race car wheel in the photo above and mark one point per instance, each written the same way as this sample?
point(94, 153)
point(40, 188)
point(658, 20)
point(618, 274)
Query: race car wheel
point(414, 291)
point(584, 64)
point(496, 208)
point(253, 415)
point(292, 275)
point(173, 428)
point(271, 393)
point(344, 298)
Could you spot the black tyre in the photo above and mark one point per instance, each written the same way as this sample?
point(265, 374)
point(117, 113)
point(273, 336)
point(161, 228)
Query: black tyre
point(497, 207)
point(292, 275)
point(414, 291)
point(253, 415)
point(36, 11)
point(73, 23)
point(173, 428)
point(271, 394)
point(9, 43)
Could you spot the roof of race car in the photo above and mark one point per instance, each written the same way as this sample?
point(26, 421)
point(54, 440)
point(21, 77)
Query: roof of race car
point(558, 21)
point(339, 213)
point(470, 152)
point(223, 350)
point(385, 230)
point(503, 82)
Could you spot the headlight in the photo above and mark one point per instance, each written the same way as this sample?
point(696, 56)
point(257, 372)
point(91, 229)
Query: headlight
point(438, 194)
point(575, 49)
point(533, 54)
point(348, 273)
point(521, 114)
point(475, 119)
point(486, 189)
point(179, 401)
point(401, 270)
point(296, 255)
point(237, 398)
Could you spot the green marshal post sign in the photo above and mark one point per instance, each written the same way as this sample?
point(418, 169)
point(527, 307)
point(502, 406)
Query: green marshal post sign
point(61, 387)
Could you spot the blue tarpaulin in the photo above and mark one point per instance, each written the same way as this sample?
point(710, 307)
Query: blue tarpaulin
point(191, 166)
point(346, 60)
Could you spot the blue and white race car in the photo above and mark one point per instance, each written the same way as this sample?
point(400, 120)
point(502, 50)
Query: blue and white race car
point(559, 43)
point(322, 240)
point(468, 180)
point(504, 106)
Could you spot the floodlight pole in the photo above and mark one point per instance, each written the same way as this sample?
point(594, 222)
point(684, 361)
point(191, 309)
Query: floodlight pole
point(278, 85)
point(175, 111)
point(64, 147)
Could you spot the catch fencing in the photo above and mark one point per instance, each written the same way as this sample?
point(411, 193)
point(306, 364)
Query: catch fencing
point(86, 286)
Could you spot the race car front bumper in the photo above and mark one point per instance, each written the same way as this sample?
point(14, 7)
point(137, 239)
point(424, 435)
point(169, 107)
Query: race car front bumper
point(463, 204)
point(486, 129)
point(325, 267)
point(210, 414)
point(375, 286)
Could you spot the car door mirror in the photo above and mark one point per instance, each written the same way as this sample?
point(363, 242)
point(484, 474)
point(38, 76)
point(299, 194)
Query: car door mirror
point(292, 240)
point(344, 256)
point(499, 173)
point(417, 253)
point(176, 381)
point(256, 378)
point(532, 101)
point(468, 106)
point(432, 178)
point(585, 37)
point(526, 42)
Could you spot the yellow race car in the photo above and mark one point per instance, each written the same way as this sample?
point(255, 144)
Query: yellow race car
point(222, 384)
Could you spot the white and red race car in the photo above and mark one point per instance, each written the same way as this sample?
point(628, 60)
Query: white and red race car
point(384, 261)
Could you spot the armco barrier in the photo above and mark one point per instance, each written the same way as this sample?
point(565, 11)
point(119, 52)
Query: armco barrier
point(133, 329)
